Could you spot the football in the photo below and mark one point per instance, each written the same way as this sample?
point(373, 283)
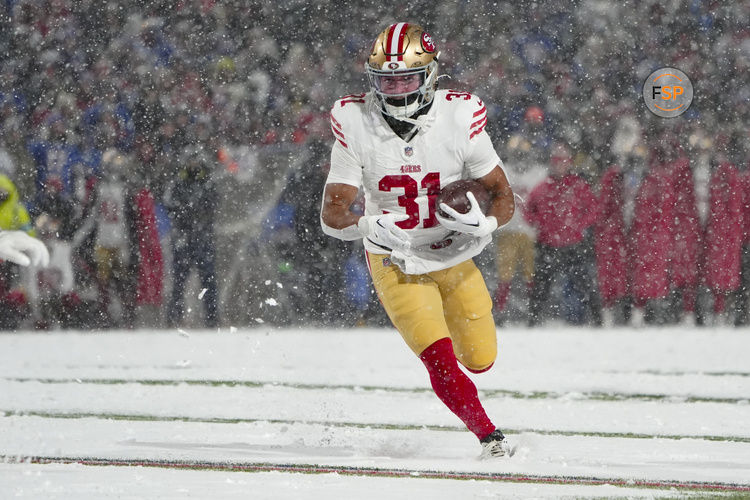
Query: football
point(454, 195)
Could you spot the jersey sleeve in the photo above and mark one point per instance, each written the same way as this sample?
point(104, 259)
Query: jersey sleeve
point(482, 157)
point(471, 115)
point(346, 168)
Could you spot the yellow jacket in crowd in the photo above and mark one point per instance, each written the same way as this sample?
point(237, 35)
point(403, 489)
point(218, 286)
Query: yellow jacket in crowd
point(13, 215)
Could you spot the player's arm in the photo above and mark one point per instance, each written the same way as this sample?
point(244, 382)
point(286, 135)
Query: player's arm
point(501, 195)
point(480, 155)
point(335, 215)
point(339, 221)
point(342, 186)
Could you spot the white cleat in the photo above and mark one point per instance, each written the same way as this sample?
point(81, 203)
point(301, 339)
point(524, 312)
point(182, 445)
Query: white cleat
point(495, 445)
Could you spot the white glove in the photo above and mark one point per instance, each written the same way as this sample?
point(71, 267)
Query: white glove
point(473, 222)
point(19, 247)
point(383, 231)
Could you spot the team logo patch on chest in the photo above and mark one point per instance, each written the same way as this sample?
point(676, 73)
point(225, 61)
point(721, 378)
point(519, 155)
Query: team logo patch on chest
point(409, 169)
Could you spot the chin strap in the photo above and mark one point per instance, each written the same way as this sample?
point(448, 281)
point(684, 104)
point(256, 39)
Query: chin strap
point(402, 113)
point(419, 122)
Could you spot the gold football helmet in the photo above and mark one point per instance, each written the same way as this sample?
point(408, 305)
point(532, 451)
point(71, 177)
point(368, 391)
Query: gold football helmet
point(402, 69)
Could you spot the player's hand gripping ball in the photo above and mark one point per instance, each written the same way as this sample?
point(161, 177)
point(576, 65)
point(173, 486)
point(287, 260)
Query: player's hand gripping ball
point(462, 206)
point(454, 195)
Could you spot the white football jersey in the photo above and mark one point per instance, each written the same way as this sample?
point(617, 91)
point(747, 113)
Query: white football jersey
point(405, 177)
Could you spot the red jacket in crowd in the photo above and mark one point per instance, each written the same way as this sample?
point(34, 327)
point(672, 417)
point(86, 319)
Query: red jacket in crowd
point(724, 230)
point(745, 179)
point(151, 262)
point(651, 235)
point(561, 209)
point(610, 241)
point(687, 233)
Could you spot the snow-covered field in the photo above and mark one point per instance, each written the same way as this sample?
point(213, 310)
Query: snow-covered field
point(289, 414)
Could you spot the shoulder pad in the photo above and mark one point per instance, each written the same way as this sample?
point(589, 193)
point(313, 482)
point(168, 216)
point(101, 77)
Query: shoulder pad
point(351, 98)
point(339, 110)
point(470, 110)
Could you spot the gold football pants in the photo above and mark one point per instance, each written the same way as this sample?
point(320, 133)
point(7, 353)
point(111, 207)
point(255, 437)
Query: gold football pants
point(425, 308)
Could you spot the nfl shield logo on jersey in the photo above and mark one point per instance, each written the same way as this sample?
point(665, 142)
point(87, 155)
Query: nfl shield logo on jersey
point(408, 151)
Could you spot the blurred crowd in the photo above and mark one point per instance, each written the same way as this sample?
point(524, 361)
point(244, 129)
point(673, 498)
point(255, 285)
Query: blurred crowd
point(172, 156)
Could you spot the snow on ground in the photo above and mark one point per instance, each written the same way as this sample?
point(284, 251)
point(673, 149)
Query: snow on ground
point(165, 414)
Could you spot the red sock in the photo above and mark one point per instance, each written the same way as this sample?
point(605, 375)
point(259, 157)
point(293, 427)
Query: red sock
point(501, 295)
point(454, 388)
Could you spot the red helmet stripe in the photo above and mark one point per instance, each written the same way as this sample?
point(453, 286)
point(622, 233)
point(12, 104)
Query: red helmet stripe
point(395, 41)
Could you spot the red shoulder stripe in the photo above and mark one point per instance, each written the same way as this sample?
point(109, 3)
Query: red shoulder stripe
point(478, 130)
point(334, 121)
point(481, 121)
point(338, 132)
point(482, 110)
point(351, 98)
point(339, 136)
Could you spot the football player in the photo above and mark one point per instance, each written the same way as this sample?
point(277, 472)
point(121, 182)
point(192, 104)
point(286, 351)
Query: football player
point(401, 142)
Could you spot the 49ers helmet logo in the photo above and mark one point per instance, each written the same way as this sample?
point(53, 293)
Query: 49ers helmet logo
point(427, 43)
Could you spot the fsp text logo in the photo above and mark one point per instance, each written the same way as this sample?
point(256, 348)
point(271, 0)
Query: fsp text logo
point(668, 92)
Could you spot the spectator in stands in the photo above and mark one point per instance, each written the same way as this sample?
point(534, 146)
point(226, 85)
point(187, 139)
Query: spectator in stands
point(146, 261)
point(107, 221)
point(192, 201)
point(14, 306)
point(141, 70)
point(13, 213)
point(652, 243)
point(56, 156)
point(723, 238)
point(17, 247)
point(743, 300)
point(319, 258)
point(56, 290)
point(611, 247)
point(563, 209)
point(687, 241)
point(515, 243)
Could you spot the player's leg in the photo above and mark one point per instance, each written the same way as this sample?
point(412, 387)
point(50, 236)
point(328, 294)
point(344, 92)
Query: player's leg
point(468, 313)
point(454, 388)
point(414, 304)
